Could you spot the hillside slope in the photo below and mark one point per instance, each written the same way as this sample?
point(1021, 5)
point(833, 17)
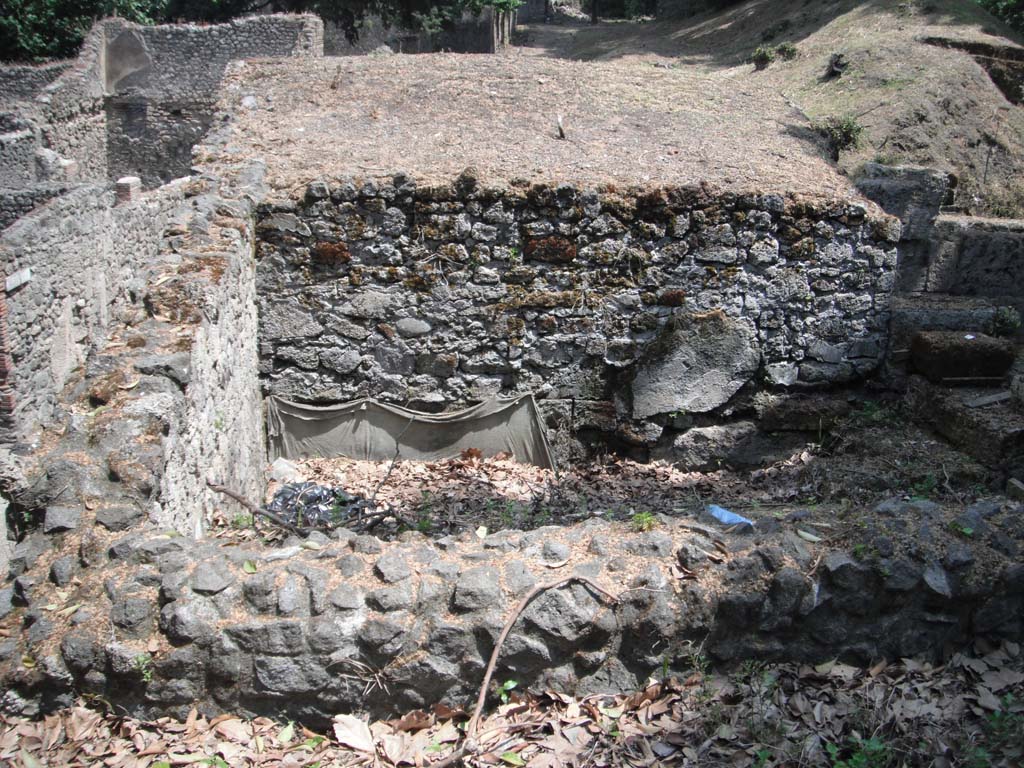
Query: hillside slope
point(919, 95)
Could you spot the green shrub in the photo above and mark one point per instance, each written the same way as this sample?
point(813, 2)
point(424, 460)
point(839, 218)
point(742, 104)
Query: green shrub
point(787, 51)
point(1010, 11)
point(33, 30)
point(842, 133)
point(762, 56)
point(1005, 322)
point(644, 521)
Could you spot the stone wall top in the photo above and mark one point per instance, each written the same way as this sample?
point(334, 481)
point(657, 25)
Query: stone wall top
point(187, 61)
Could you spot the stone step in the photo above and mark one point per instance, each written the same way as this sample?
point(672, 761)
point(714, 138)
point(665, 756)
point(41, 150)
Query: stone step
point(914, 312)
point(956, 356)
point(975, 420)
point(974, 256)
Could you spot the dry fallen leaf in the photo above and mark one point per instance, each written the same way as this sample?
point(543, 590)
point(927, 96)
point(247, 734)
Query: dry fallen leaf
point(353, 732)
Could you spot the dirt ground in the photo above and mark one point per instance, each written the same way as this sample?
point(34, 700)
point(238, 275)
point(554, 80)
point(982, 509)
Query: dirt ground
point(626, 124)
point(829, 490)
point(646, 103)
point(917, 103)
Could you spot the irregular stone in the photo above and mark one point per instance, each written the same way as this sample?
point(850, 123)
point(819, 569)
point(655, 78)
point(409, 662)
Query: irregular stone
point(942, 355)
point(260, 592)
point(392, 568)
point(63, 570)
point(518, 578)
point(331, 634)
point(290, 675)
point(937, 580)
point(958, 556)
point(739, 445)
point(845, 573)
point(154, 549)
point(399, 598)
point(211, 578)
point(599, 545)
point(506, 541)
point(569, 617)
point(6, 601)
point(477, 588)
point(188, 621)
point(287, 319)
point(176, 367)
point(788, 588)
point(316, 585)
point(293, 597)
point(340, 360)
point(80, 653)
point(61, 518)
point(555, 552)
point(901, 576)
point(23, 586)
point(347, 598)
point(381, 639)
point(118, 518)
point(690, 556)
point(410, 326)
point(367, 545)
point(650, 544)
point(370, 305)
point(699, 366)
point(281, 638)
point(284, 471)
point(350, 565)
point(446, 570)
point(27, 552)
point(132, 614)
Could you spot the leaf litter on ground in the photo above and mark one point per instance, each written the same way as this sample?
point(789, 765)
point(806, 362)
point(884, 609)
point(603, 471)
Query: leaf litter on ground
point(969, 711)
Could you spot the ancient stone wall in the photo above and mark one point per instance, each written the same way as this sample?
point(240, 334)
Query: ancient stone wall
point(973, 256)
point(162, 83)
point(219, 436)
point(80, 257)
point(15, 203)
point(71, 119)
point(352, 624)
point(637, 314)
point(472, 33)
point(20, 82)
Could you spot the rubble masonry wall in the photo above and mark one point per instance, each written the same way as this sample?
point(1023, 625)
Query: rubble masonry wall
point(638, 314)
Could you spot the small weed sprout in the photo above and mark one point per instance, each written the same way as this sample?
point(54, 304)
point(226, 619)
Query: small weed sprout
point(960, 529)
point(926, 486)
point(505, 690)
point(644, 521)
point(862, 753)
point(242, 520)
point(143, 664)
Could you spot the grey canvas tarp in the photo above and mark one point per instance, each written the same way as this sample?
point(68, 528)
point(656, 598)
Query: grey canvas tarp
point(367, 429)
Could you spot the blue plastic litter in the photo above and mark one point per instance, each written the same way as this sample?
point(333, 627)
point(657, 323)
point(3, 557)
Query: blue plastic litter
point(725, 517)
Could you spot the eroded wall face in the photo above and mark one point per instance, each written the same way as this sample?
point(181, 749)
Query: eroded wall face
point(79, 259)
point(636, 309)
point(162, 84)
